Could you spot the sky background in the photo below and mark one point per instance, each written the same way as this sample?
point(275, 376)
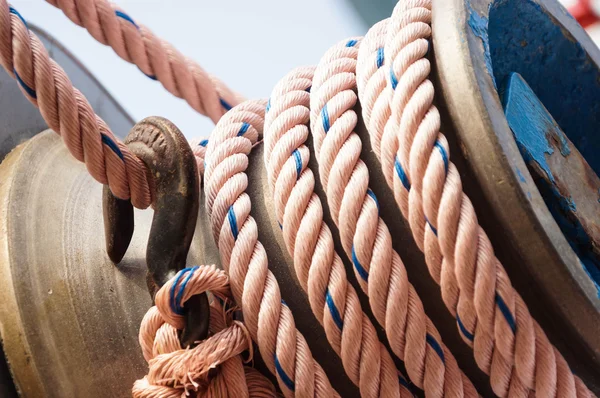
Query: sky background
point(249, 44)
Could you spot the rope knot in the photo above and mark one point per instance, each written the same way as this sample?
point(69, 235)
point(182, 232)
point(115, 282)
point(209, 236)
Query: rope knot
point(203, 370)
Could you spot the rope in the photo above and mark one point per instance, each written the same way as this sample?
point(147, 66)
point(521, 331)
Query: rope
point(365, 237)
point(268, 319)
point(214, 368)
point(319, 268)
point(67, 112)
point(491, 316)
point(392, 73)
point(156, 58)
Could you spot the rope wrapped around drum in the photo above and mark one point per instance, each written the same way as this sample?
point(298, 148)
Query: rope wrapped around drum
point(430, 144)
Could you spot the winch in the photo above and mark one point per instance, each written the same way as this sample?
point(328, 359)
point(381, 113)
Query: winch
point(418, 214)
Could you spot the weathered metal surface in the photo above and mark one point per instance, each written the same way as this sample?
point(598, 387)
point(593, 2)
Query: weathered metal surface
point(569, 186)
point(476, 43)
point(175, 190)
point(69, 318)
point(20, 120)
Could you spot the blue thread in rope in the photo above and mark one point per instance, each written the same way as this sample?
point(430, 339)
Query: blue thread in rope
point(203, 143)
point(225, 104)
point(15, 12)
point(298, 158)
point(435, 232)
point(443, 153)
point(380, 57)
point(27, 89)
point(232, 222)
point(335, 314)
point(464, 330)
point(325, 117)
point(436, 346)
point(182, 287)
point(268, 108)
point(284, 377)
point(112, 145)
point(506, 312)
point(361, 270)
point(406, 384)
point(126, 17)
point(393, 79)
point(372, 195)
point(283, 302)
point(401, 174)
point(173, 287)
point(280, 226)
point(351, 43)
point(243, 130)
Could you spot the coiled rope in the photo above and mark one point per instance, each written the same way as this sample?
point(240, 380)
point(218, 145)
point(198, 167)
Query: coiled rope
point(397, 97)
point(308, 239)
point(365, 236)
point(255, 289)
point(392, 78)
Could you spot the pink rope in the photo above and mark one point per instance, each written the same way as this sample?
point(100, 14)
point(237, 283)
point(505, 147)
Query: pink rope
point(269, 321)
point(156, 58)
point(365, 236)
point(177, 372)
point(67, 112)
point(508, 344)
point(319, 268)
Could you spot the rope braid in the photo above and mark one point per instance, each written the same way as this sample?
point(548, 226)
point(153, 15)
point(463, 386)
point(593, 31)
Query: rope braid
point(67, 112)
point(318, 267)
point(176, 372)
point(392, 76)
point(156, 58)
point(269, 321)
point(491, 316)
point(365, 236)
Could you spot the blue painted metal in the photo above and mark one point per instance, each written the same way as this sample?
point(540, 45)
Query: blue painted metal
point(523, 38)
point(563, 177)
point(479, 25)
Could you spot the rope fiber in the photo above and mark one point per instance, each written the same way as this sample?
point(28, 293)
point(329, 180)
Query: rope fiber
point(388, 71)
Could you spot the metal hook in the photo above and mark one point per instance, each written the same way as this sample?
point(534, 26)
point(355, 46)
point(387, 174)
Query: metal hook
point(173, 171)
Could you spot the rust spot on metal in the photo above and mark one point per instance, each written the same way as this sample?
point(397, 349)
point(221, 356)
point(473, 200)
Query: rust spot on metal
point(173, 177)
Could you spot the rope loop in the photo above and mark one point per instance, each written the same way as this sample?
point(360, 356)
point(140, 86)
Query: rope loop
point(213, 368)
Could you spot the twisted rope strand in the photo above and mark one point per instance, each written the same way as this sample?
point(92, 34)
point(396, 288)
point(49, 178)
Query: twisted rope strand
point(269, 321)
point(67, 112)
point(365, 236)
point(491, 316)
point(319, 269)
point(177, 372)
point(156, 58)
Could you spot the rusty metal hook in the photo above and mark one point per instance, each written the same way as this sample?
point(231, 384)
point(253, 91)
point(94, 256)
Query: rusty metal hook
point(173, 171)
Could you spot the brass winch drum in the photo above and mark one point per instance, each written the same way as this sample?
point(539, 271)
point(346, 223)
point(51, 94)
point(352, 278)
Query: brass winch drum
point(69, 317)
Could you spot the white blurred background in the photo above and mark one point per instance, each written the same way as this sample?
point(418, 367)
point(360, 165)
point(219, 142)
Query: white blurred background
point(249, 44)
